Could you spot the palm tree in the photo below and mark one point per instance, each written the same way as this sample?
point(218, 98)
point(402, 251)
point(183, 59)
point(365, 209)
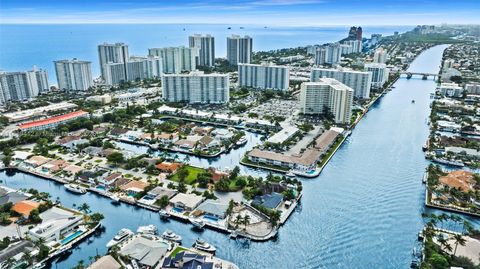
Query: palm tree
point(238, 220)
point(458, 240)
point(246, 221)
point(186, 159)
point(444, 243)
point(175, 157)
point(85, 208)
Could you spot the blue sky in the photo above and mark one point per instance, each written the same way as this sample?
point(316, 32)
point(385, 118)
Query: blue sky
point(266, 12)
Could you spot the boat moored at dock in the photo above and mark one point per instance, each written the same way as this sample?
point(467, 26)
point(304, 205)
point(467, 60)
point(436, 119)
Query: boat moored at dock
point(148, 229)
point(75, 188)
point(171, 236)
point(121, 236)
point(204, 246)
point(198, 223)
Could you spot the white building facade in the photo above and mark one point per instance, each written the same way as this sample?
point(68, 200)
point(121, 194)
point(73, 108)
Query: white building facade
point(327, 94)
point(379, 72)
point(359, 81)
point(329, 54)
point(239, 49)
point(206, 49)
point(22, 86)
point(74, 75)
point(175, 59)
point(112, 53)
point(263, 76)
point(196, 87)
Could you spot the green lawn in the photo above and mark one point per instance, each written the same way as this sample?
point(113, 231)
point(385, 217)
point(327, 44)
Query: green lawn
point(192, 174)
point(177, 250)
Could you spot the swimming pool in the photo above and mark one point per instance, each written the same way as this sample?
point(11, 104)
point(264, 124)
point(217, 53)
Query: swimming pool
point(177, 209)
point(69, 238)
point(210, 218)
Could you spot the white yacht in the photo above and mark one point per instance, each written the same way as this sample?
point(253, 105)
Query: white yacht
point(75, 188)
point(119, 237)
point(197, 222)
point(203, 246)
point(241, 141)
point(148, 229)
point(164, 214)
point(171, 236)
point(290, 174)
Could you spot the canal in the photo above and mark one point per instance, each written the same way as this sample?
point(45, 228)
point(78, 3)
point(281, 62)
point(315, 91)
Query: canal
point(363, 211)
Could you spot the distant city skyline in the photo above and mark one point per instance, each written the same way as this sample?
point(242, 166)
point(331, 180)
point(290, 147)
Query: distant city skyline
point(271, 12)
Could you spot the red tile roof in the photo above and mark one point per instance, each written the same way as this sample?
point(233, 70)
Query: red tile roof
point(55, 119)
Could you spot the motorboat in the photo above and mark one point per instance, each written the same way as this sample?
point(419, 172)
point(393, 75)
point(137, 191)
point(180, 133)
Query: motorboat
point(447, 162)
point(290, 174)
point(148, 229)
point(122, 235)
point(115, 198)
point(197, 222)
point(204, 246)
point(171, 236)
point(164, 214)
point(75, 188)
point(242, 141)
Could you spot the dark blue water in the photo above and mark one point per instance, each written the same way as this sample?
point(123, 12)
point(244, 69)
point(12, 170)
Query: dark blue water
point(363, 211)
point(22, 46)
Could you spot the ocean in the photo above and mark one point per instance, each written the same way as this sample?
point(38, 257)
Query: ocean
point(25, 45)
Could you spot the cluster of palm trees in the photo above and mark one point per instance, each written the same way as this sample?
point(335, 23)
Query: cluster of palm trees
point(245, 220)
point(450, 222)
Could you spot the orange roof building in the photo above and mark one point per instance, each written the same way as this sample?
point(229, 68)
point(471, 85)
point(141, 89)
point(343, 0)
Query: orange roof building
point(52, 122)
point(168, 167)
point(25, 207)
point(459, 179)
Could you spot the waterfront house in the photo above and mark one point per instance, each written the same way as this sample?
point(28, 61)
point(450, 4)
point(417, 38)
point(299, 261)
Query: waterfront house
point(105, 262)
point(132, 135)
point(168, 167)
point(167, 138)
point(36, 161)
point(156, 194)
point(217, 175)
point(270, 201)
point(146, 252)
point(15, 251)
point(207, 143)
point(110, 179)
point(57, 223)
point(212, 208)
point(54, 166)
point(71, 141)
point(222, 134)
point(186, 201)
point(72, 169)
point(184, 260)
point(467, 152)
point(459, 179)
point(120, 182)
point(134, 187)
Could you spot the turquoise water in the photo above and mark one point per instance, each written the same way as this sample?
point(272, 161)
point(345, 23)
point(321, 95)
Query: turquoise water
point(69, 238)
point(22, 46)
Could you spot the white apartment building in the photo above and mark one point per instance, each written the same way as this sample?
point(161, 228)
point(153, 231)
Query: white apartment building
point(380, 56)
point(351, 46)
point(22, 86)
point(196, 87)
point(239, 49)
point(329, 54)
point(472, 88)
point(136, 68)
point(74, 75)
point(359, 81)
point(450, 89)
point(112, 53)
point(176, 59)
point(327, 93)
point(263, 76)
point(379, 72)
point(206, 49)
